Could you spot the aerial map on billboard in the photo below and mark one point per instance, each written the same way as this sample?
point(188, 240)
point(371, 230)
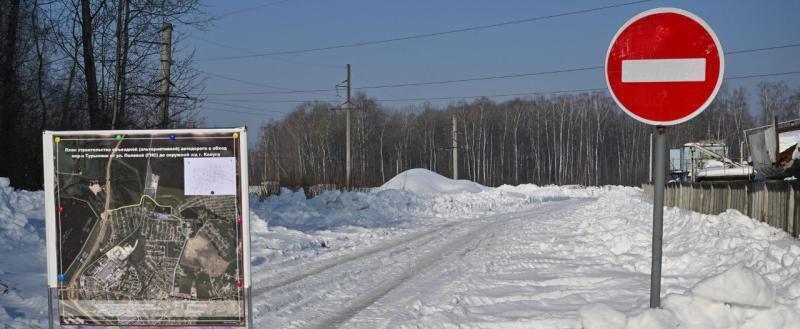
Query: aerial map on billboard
point(148, 227)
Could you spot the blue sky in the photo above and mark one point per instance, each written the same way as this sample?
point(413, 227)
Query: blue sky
point(559, 43)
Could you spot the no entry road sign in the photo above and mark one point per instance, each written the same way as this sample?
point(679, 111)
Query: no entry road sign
point(664, 66)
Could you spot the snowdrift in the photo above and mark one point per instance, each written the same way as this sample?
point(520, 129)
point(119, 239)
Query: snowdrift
point(425, 181)
point(23, 287)
point(735, 298)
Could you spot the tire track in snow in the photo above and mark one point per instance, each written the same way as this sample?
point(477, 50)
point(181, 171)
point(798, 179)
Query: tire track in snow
point(385, 246)
point(343, 260)
point(430, 259)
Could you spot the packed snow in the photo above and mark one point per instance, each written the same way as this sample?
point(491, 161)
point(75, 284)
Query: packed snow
point(429, 252)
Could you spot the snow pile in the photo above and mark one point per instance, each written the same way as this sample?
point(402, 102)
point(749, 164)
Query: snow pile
point(736, 298)
point(23, 287)
point(411, 198)
point(334, 209)
point(425, 181)
point(750, 289)
point(601, 316)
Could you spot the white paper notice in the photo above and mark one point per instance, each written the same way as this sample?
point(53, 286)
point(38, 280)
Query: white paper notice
point(209, 176)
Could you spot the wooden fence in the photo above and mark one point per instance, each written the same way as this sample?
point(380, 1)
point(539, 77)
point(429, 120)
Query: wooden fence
point(776, 203)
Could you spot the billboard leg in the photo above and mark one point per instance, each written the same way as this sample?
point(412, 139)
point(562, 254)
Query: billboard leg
point(250, 323)
point(50, 307)
point(659, 172)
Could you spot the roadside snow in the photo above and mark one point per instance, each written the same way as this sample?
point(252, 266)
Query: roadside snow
point(473, 257)
point(751, 288)
point(23, 290)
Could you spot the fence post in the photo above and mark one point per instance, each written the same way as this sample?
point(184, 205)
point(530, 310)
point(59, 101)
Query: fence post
point(747, 207)
point(730, 196)
point(790, 211)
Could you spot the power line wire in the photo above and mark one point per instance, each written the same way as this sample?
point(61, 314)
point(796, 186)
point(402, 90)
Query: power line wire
point(791, 45)
point(568, 91)
point(244, 10)
point(483, 78)
point(748, 76)
point(762, 75)
point(566, 70)
point(491, 95)
point(247, 107)
point(603, 90)
point(281, 59)
point(235, 111)
point(269, 92)
point(273, 100)
point(242, 81)
point(494, 77)
point(431, 34)
point(286, 90)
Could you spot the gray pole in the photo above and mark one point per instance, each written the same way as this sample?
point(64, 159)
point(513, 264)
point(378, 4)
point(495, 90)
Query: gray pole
point(347, 106)
point(50, 307)
point(650, 177)
point(166, 61)
point(658, 215)
point(250, 323)
point(455, 149)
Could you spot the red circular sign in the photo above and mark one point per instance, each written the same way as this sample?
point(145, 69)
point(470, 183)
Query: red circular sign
point(664, 66)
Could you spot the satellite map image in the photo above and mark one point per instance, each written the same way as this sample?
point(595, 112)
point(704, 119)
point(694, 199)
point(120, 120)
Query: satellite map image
point(149, 229)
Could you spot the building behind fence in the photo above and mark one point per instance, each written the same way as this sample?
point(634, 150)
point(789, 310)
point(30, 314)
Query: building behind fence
point(776, 203)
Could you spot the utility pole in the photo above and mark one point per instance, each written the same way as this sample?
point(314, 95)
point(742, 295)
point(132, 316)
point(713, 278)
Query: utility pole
point(455, 149)
point(347, 107)
point(166, 61)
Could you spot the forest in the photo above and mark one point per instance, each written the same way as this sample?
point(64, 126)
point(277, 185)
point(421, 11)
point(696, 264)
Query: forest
point(549, 139)
point(82, 64)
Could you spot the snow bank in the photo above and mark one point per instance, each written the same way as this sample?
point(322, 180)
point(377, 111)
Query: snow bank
point(720, 271)
point(415, 197)
point(23, 287)
point(738, 285)
point(425, 181)
point(736, 298)
point(601, 316)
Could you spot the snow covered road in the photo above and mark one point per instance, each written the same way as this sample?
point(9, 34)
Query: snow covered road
point(343, 288)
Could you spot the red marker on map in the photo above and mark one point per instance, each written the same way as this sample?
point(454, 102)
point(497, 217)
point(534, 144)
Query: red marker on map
point(238, 283)
point(60, 210)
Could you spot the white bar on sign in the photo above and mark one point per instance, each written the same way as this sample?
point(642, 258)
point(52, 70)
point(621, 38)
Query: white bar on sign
point(664, 70)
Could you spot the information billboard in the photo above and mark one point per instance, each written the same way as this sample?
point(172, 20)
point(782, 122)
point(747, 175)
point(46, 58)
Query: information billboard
point(148, 227)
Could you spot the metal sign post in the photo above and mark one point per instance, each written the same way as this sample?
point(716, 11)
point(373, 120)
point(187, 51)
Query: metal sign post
point(659, 173)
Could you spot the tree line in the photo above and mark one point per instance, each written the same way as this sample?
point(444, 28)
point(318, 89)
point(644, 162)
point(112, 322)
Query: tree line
point(94, 64)
point(558, 139)
point(86, 64)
